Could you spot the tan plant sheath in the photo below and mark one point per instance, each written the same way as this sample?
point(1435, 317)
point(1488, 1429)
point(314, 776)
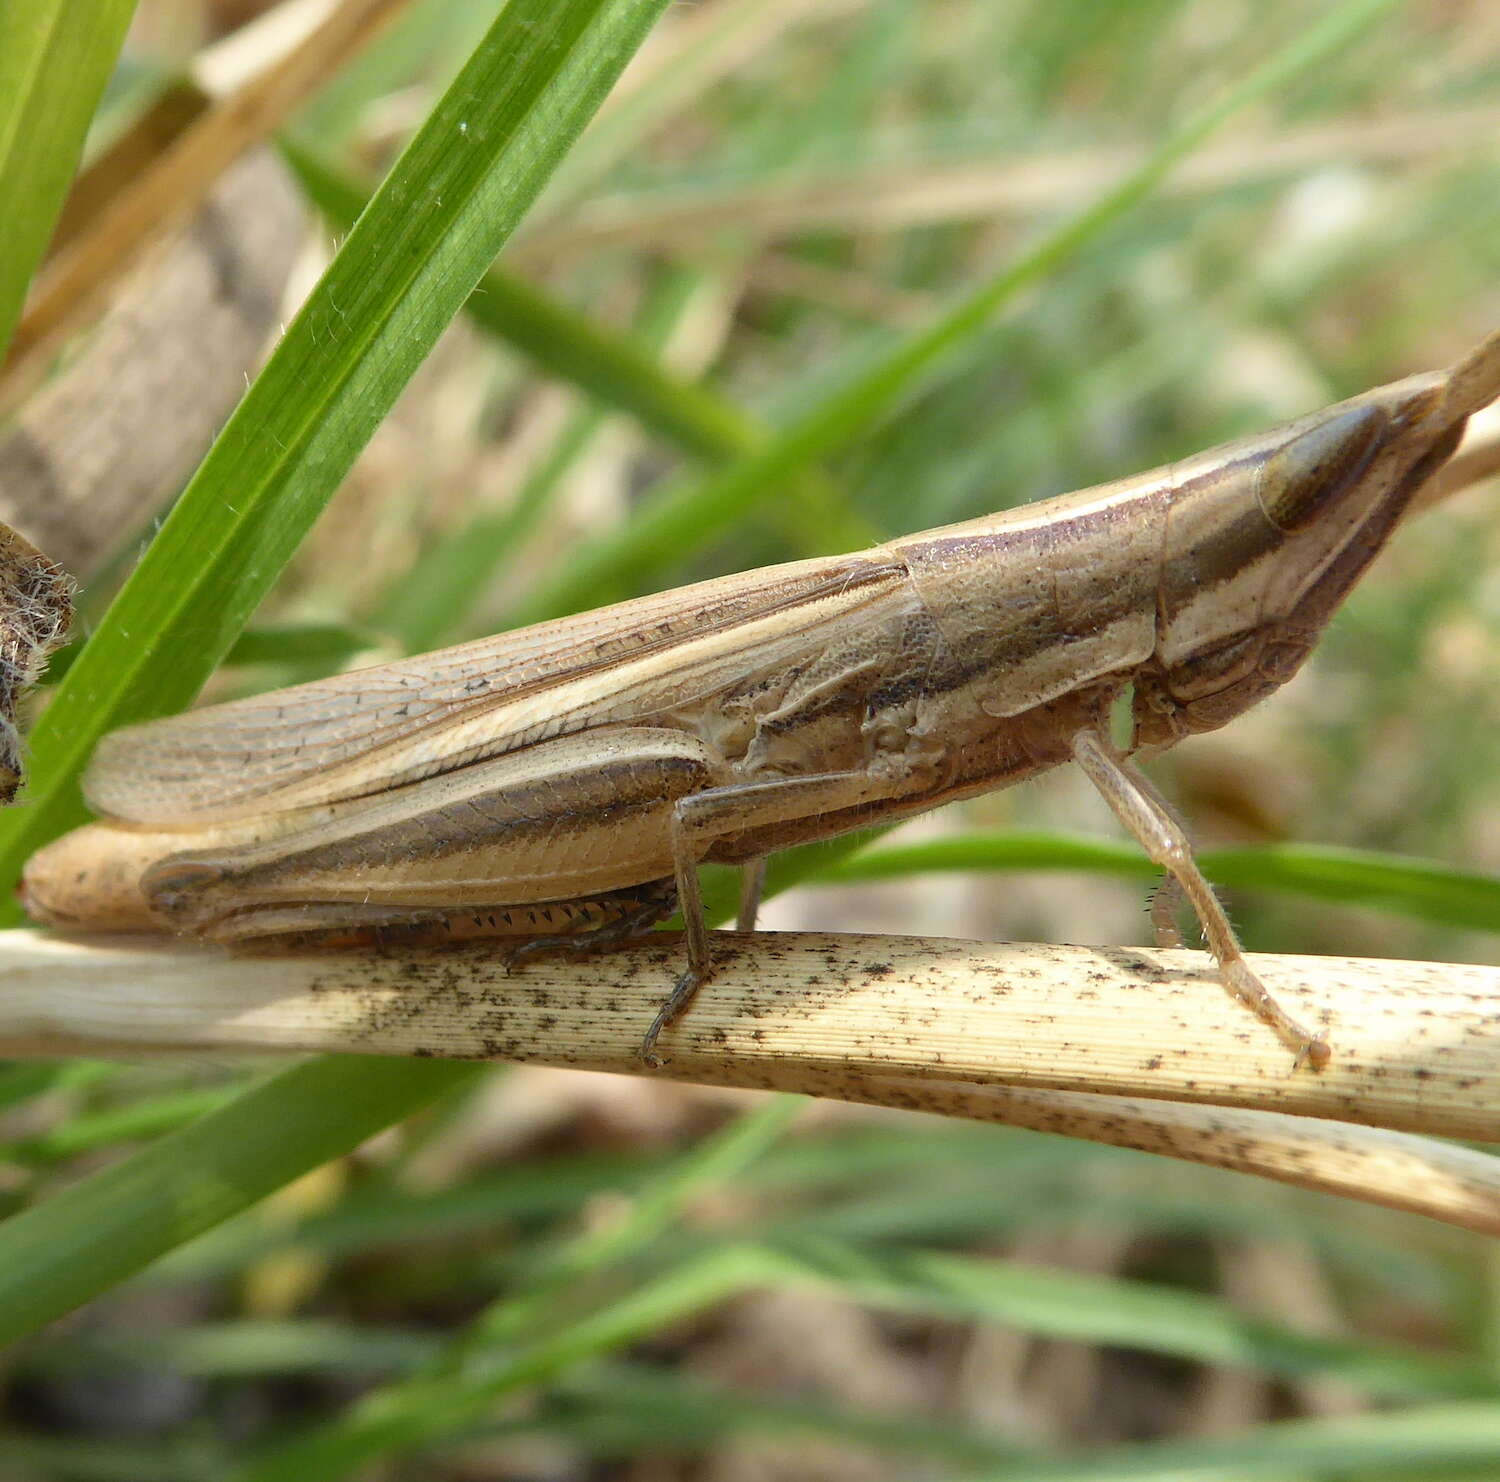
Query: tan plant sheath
point(1137, 1047)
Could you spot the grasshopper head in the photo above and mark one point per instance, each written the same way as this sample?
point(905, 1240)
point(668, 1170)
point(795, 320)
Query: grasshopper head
point(1264, 539)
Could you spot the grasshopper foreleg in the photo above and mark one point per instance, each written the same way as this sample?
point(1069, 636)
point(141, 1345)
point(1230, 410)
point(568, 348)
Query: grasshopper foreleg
point(1139, 807)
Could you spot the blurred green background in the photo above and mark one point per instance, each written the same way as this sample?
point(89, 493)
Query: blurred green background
point(691, 361)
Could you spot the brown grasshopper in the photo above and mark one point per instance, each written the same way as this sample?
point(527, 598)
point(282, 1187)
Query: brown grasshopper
point(560, 785)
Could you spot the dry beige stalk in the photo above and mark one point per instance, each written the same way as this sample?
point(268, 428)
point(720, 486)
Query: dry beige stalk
point(890, 197)
point(1132, 1047)
point(93, 454)
point(76, 280)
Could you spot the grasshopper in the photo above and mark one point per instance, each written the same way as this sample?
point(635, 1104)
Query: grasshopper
point(560, 785)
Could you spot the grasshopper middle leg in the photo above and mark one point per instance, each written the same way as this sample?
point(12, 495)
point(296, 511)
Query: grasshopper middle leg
point(721, 812)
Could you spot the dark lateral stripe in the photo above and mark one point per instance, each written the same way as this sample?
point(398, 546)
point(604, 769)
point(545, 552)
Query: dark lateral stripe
point(1220, 552)
point(611, 795)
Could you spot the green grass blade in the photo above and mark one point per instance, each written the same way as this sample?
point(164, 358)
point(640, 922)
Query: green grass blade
point(429, 603)
point(24, 1079)
point(622, 1410)
point(448, 205)
point(1128, 1314)
point(537, 1318)
point(241, 1346)
point(1427, 1443)
point(717, 1160)
point(619, 371)
point(1414, 887)
point(147, 1118)
point(683, 514)
point(83, 1240)
point(552, 1188)
point(407, 1416)
point(632, 117)
point(1183, 1324)
point(55, 57)
point(570, 346)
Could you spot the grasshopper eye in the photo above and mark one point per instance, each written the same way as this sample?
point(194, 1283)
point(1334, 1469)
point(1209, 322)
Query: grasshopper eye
point(1302, 478)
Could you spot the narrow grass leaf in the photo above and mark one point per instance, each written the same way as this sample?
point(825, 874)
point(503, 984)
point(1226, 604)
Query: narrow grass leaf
point(55, 57)
point(624, 1409)
point(716, 1160)
point(1427, 1442)
point(553, 1188)
point(417, 1413)
point(151, 1116)
point(619, 371)
point(244, 1347)
point(1413, 887)
point(405, 1417)
point(430, 601)
point(478, 1366)
point(567, 344)
point(1093, 1309)
point(97, 1232)
point(23, 1079)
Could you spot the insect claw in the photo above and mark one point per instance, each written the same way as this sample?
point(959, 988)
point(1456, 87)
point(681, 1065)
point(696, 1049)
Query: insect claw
point(682, 994)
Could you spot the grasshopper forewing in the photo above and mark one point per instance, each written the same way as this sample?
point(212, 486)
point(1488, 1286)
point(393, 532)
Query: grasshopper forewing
point(561, 785)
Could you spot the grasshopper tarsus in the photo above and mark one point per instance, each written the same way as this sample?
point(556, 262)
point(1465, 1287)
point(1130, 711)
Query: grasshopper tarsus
point(1311, 1050)
point(677, 1004)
